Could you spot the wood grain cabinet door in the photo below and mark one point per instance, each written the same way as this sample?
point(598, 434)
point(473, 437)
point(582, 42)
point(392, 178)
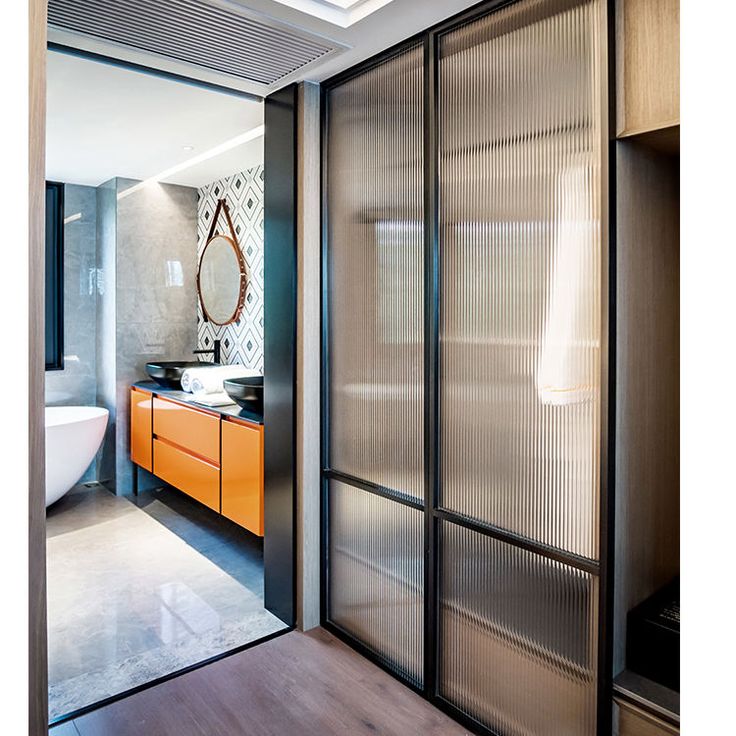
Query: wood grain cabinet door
point(633, 721)
point(242, 475)
point(141, 446)
point(648, 60)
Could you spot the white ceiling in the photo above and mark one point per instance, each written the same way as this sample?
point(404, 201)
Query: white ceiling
point(104, 121)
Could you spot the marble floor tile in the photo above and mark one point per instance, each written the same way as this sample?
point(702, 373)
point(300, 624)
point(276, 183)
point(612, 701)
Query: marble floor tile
point(139, 589)
point(64, 729)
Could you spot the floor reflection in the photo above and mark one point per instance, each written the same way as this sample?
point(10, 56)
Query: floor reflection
point(137, 590)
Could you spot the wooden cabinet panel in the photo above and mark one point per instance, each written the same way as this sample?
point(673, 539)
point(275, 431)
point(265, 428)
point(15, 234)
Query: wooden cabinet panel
point(195, 477)
point(196, 431)
point(648, 65)
point(242, 475)
point(141, 448)
point(636, 722)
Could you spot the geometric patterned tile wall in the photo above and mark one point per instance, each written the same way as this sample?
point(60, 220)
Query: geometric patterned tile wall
point(242, 341)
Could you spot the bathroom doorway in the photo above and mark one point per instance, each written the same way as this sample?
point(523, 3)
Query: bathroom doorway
point(152, 568)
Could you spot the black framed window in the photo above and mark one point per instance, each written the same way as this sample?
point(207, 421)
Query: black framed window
point(54, 308)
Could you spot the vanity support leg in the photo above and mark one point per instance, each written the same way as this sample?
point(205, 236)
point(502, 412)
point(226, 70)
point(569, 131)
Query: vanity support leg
point(135, 479)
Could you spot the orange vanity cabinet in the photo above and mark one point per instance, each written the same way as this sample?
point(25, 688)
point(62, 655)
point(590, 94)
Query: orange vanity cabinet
point(194, 430)
point(242, 474)
point(141, 446)
point(211, 456)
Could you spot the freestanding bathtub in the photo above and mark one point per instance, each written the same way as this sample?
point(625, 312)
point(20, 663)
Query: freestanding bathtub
point(73, 436)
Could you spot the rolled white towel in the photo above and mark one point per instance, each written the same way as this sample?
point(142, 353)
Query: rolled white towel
point(186, 379)
point(209, 380)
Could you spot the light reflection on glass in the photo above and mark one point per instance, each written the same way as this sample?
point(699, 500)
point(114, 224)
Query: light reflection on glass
point(174, 273)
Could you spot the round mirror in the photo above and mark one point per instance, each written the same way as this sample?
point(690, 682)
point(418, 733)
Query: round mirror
point(221, 280)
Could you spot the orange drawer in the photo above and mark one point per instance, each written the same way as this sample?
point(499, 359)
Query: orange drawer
point(141, 448)
point(242, 475)
point(195, 431)
point(197, 478)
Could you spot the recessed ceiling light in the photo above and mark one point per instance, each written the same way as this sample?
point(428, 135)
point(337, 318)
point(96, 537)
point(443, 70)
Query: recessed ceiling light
point(188, 148)
point(341, 13)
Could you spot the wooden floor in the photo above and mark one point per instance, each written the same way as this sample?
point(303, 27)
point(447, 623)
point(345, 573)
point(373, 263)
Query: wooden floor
point(297, 684)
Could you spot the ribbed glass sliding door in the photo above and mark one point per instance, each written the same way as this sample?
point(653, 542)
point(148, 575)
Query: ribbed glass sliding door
point(520, 240)
point(374, 361)
point(464, 355)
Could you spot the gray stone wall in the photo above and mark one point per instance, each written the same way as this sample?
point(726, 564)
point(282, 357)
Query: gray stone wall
point(156, 295)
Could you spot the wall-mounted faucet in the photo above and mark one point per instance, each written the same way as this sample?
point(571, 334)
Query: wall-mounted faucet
point(215, 352)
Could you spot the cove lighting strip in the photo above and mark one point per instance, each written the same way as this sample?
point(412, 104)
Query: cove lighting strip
point(239, 140)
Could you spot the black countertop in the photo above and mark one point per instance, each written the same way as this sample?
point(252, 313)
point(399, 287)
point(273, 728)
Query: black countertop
point(229, 410)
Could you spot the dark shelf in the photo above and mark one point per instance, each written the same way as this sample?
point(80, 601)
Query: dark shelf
point(648, 695)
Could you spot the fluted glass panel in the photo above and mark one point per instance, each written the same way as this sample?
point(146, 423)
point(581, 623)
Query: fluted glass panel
point(518, 649)
point(376, 575)
point(375, 274)
point(520, 135)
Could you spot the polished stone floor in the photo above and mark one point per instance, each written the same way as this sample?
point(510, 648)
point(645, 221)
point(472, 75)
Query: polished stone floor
point(141, 588)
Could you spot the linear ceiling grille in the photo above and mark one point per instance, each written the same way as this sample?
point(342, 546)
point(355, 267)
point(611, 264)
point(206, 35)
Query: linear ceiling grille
point(194, 32)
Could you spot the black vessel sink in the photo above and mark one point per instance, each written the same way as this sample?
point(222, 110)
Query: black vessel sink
point(247, 392)
point(168, 373)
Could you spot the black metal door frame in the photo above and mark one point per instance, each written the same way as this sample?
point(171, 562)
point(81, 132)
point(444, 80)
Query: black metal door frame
point(280, 335)
point(603, 568)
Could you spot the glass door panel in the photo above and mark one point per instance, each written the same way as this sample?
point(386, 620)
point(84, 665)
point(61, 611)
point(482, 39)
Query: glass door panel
point(375, 359)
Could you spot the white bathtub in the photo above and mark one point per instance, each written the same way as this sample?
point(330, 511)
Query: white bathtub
point(73, 436)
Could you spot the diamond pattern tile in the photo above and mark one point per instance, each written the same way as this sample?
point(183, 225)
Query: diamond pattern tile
point(242, 341)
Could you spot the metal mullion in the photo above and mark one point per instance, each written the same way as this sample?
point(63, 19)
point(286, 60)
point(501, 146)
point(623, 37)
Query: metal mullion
point(431, 369)
point(585, 564)
point(324, 367)
point(374, 488)
point(607, 495)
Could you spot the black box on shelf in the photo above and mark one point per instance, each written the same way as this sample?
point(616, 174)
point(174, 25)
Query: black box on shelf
point(653, 637)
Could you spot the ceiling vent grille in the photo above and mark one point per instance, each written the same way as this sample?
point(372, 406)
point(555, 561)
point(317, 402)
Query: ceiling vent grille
point(218, 36)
